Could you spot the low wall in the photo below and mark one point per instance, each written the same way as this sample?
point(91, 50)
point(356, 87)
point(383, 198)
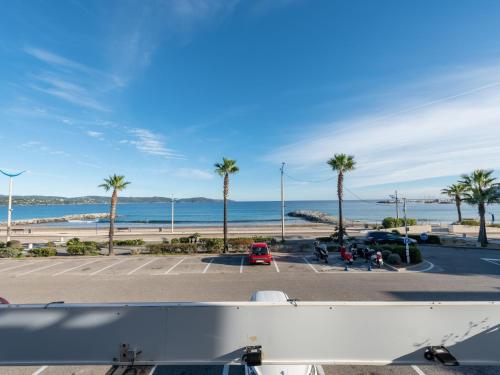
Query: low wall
point(470, 229)
point(414, 229)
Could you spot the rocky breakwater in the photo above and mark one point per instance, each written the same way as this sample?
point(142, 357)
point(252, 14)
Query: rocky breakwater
point(314, 216)
point(63, 219)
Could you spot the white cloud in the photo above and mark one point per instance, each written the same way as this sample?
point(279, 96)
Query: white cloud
point(193, 173)
point(94, 134)
point(150, 143)
point(445, 135)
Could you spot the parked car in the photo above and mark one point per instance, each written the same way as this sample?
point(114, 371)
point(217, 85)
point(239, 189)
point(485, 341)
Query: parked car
point(380, 237)
point(259, 253)
point(277, 296)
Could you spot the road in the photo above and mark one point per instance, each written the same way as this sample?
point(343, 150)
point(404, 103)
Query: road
point(451, 274)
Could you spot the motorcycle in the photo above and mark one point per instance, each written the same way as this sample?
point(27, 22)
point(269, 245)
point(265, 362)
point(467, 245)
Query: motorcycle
point(320, 252)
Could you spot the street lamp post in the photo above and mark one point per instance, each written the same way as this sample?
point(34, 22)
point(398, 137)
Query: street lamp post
point(9, 209)
point(172, 215)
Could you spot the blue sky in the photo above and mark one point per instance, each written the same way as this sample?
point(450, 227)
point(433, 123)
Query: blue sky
point(161, 90)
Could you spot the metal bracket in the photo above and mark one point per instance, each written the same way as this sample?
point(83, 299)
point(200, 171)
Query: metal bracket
point(253, 355)
point(442, 354)
point(127, 354)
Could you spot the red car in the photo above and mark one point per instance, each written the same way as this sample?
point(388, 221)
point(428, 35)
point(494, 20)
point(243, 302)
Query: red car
point(259, 253)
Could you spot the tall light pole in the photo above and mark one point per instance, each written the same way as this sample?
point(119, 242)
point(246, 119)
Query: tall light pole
point(282, 203)
point(395, 196)
point(9, 210)
point(407, 243)
point(172, 200)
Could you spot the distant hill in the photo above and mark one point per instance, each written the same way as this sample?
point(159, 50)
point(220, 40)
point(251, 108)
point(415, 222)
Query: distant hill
point(95, 199)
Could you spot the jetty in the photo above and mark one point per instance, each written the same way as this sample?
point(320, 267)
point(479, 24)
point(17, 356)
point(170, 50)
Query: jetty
point(314, 216)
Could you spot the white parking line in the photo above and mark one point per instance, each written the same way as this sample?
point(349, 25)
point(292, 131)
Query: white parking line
point(175, 265)
point(153, 370)
point(40, 370)
point(417, 370)
point(276, 265)
point(105, 268)
point(241, 264)
point(38, 269)
point(208, 265)
point(18, 266)
point(141, 266)
point(320, 369)
point(431, 266)
point(74, 268)
point(310, 265)
point(496, 262)
point(225, 370)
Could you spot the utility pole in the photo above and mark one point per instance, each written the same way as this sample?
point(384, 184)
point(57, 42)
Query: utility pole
point(172, 215)
point(282, 203)
point(407, 245)
point(9, 209)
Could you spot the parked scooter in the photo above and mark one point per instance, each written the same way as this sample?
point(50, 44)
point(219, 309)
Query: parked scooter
point(345, 255)
point(377, 259)
point(320, 252)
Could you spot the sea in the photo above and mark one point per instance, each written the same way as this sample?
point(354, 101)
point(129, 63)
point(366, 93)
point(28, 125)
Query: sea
point(243, 212)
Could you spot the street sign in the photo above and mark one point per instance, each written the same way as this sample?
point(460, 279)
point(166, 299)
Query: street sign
point(424, 236)
point(406, 241)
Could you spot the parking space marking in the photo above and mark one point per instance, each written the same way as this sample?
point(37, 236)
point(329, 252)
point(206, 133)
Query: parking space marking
point(40, 370)
point(107, 267)
point(320, 369)
point(142, 266)
point(38, 269)
point(276, 265)
point(310, 265)
point(418, 370)
point(225, 370)
point(494, 261)
point(175, 265)
point(208, 265)
point(74, 268)
point(241, 264)
point(153, 370)
point(18, 266)
point(431, 266)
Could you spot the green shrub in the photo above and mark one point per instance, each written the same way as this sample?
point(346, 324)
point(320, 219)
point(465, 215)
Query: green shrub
point(415, 255)
point(43, 252)
point(14, 244)
point(385, 254)
point(324, 239)
point(213, 245)
point(184, 240)
point(392, 222)
point(136, 242)
point(50, 244)
point(268, 240)
point(241, 242)
point(394, 259)
point(472, 222)
point(11, 252)
point(2, 245)
point(174, 240)
point(494, 225)
point(431, 239)
point(82, 248)
point(168, 248)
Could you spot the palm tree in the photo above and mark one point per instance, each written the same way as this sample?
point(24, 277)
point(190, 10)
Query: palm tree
point(456, 191)
point(224, 169)
point(117, 183)
point(341, 163)
point(481, 189)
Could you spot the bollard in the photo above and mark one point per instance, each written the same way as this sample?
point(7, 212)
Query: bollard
point(30, 246)
point(369, 265)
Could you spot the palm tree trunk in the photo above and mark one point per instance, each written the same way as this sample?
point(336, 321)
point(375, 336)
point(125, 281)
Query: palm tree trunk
point(340, 189)
point(482, 225)
point(458, 201)
point(226, 193)
point(112, 216)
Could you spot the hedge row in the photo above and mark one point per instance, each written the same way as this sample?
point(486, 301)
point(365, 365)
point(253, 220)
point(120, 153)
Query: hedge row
point(167, 248)
point(77, 247)
point(431, 239)
point(11, 252)
point(43, 252)
point(392, 222)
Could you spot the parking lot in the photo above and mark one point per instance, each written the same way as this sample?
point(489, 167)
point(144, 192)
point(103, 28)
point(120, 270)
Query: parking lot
point(446, 274)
